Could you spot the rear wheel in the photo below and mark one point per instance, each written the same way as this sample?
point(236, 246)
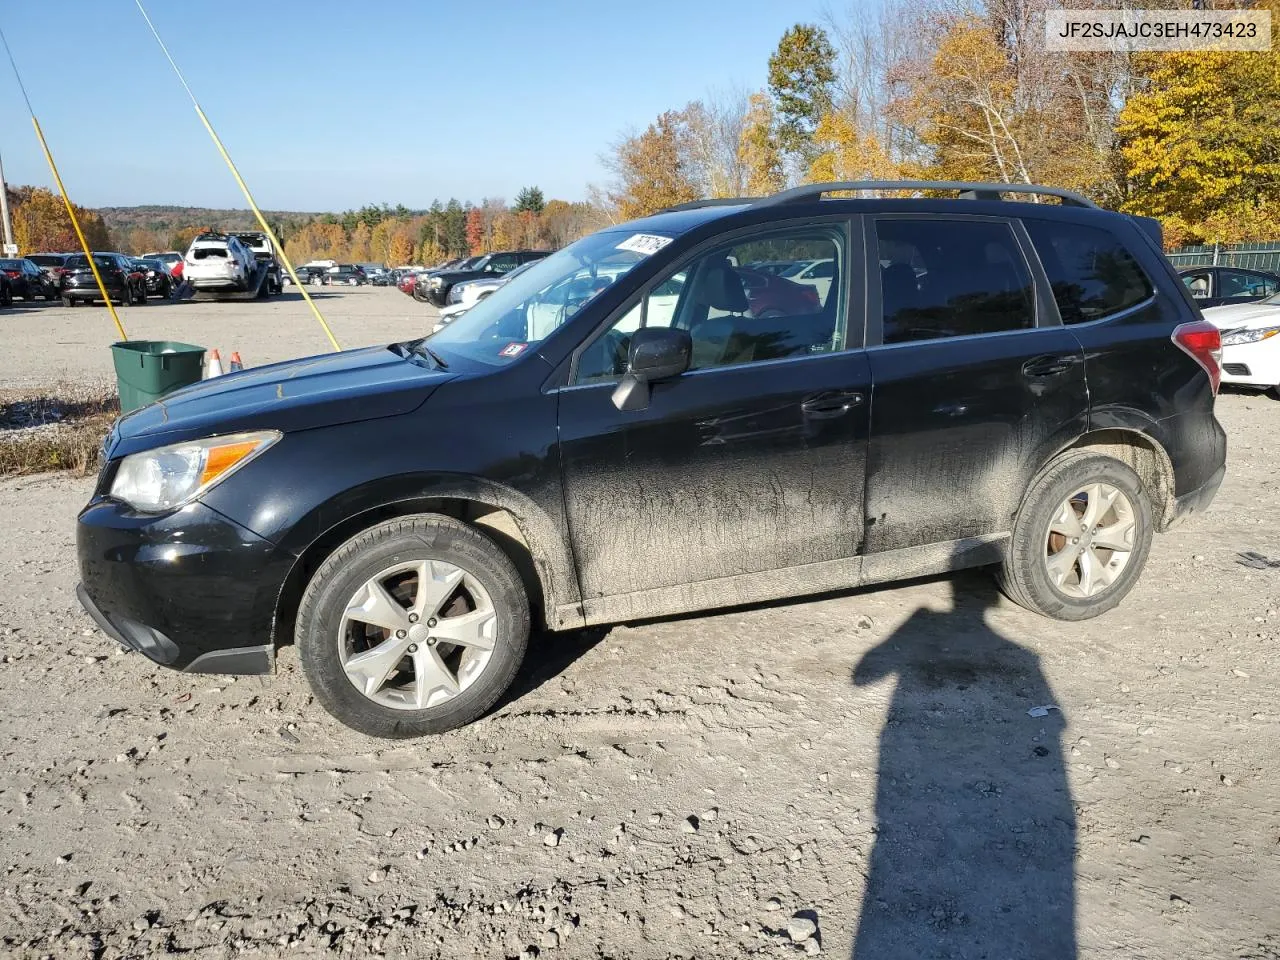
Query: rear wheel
point(68, 301)
point(1081, 538)
point(415, 626)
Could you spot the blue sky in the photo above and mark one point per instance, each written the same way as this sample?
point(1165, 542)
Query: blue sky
point(326, 105)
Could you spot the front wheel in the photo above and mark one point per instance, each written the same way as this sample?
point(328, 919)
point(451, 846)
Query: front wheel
point(1081, 538)
point(415, 626)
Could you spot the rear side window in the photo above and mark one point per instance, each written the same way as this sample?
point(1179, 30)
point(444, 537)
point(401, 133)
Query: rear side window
point(951, 278)
point(1092, 274)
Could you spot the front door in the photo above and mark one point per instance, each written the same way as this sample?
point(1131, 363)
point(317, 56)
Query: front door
point(976, 380)
point(750, 462)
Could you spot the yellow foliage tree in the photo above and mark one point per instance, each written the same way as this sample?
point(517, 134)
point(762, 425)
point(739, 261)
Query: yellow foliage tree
point(758, 148)
point(1200, 144)
point(842, 153)
point(651, 170)
point(41, 224)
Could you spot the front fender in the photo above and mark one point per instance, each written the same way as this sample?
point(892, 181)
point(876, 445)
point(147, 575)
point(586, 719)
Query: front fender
point(551, 557)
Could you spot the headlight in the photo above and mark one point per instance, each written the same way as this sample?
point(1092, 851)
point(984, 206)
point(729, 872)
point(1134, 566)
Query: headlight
point(435, 282)
point(1233, 338)
point(167, 477)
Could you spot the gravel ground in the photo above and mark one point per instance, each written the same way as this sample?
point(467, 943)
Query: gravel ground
point(48, 343)
point(856, 775)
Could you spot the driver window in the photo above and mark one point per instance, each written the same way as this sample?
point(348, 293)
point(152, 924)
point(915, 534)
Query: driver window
point(737, 307)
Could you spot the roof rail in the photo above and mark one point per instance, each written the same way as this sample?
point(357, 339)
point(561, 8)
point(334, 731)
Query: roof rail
point(968, 191)
point(711, 202)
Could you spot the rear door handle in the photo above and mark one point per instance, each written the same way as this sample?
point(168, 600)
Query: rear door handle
point(1048, 366)
point(834, 404)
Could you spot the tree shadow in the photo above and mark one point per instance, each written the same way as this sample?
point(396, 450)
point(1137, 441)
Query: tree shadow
point(974, 854)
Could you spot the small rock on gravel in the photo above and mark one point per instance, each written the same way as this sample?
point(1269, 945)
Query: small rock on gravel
point(709, 815)
point(812, 947)
point(772, 904)
point(801, 928)
point(552, 839)
point(529, 953)
point(690, 824)
point(496, 823)
point(549, 939)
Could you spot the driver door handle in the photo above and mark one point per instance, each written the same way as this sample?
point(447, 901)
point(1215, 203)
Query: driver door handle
point(834, 403)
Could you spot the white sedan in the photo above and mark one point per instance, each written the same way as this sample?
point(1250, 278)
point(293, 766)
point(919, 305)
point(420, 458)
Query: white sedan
point(1250, 345)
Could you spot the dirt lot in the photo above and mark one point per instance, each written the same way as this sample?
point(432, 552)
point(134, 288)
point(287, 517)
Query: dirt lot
point(686, 788)
point(47, 342)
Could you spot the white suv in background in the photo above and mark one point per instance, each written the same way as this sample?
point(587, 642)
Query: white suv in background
point(218, 262)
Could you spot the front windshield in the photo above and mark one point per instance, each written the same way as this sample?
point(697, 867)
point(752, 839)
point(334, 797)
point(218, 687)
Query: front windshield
point(533, 305)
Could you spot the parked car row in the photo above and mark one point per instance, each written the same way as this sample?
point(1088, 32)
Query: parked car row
point(68, 276)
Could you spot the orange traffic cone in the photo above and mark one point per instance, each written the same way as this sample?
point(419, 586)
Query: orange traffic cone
point(236, 364)
point(213, 365)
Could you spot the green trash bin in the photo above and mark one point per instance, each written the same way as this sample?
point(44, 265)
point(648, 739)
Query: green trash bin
point(148, 369)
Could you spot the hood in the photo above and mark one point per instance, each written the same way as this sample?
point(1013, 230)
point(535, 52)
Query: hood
point(295, 395)
point(1238, 315)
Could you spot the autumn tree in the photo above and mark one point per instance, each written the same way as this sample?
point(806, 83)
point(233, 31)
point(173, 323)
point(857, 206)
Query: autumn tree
point(758, 149)
point(475, 231)
point(530, 200)
point(651, 173)
point(1199, 144)
point(41, 223)
point(400, 248)
point(801, 76)
point(841, 152)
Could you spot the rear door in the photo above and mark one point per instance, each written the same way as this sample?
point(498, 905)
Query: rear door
point(975, 380)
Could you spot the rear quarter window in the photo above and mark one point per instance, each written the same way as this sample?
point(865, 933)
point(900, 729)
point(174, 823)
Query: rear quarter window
point(1092, 274)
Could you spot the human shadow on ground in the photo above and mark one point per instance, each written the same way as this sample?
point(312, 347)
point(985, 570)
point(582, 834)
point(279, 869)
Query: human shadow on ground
point(974, 853)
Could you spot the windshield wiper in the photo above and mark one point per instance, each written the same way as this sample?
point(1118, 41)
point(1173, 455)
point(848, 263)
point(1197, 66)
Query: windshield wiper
point(420, 349)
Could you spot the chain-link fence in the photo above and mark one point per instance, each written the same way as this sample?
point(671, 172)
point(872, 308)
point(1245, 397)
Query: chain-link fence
point(1255, 256)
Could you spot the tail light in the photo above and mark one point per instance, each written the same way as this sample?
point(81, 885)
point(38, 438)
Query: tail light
point(1202, 342)
point(14, 273)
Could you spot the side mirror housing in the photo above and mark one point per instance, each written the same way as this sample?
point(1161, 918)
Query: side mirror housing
point(655, 353)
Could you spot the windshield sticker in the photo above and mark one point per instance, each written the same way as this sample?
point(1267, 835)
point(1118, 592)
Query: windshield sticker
point(644, 243)
point(512, 350)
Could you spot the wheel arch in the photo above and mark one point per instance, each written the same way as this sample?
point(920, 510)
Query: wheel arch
point(515, 524)
point(1140, 451)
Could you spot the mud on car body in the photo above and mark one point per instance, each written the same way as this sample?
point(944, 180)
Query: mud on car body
point(620, 432)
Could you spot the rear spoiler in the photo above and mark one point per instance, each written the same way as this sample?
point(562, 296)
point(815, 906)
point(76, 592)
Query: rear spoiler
point(1151, 227)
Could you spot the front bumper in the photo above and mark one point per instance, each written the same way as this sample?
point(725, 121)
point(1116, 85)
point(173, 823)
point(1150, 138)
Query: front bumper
point(191, 590)
point(1252, 364)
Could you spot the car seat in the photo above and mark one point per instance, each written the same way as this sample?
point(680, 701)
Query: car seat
point(716, 286)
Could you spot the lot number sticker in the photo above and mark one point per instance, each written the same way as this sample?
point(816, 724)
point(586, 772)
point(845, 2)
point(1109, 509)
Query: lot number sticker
point(512, 350)
point(644, 243)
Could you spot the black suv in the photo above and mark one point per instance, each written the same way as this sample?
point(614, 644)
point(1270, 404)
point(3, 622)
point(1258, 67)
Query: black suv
point(640, 425)
point(437, 284)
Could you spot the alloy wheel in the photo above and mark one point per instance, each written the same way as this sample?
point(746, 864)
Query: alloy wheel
point(417, 634)
point(1090, 539)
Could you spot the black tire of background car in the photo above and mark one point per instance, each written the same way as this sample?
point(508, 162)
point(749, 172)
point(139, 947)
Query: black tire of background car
point(6, 296)
point(68, 302)
point(1023, 577)
point(425, 536)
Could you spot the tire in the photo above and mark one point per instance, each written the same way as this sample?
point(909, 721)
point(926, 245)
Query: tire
point(6, 296)
point(1025, 576)
point(68, 301)
point(324, 633)
point(142, 296)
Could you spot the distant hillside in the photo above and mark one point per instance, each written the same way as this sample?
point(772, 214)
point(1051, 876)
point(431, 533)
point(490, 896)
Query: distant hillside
point(166, 219)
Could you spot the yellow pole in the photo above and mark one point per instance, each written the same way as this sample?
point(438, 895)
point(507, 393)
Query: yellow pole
point(75, 223)
point(244, 187)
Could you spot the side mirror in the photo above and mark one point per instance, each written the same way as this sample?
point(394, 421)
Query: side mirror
point(655, 353)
